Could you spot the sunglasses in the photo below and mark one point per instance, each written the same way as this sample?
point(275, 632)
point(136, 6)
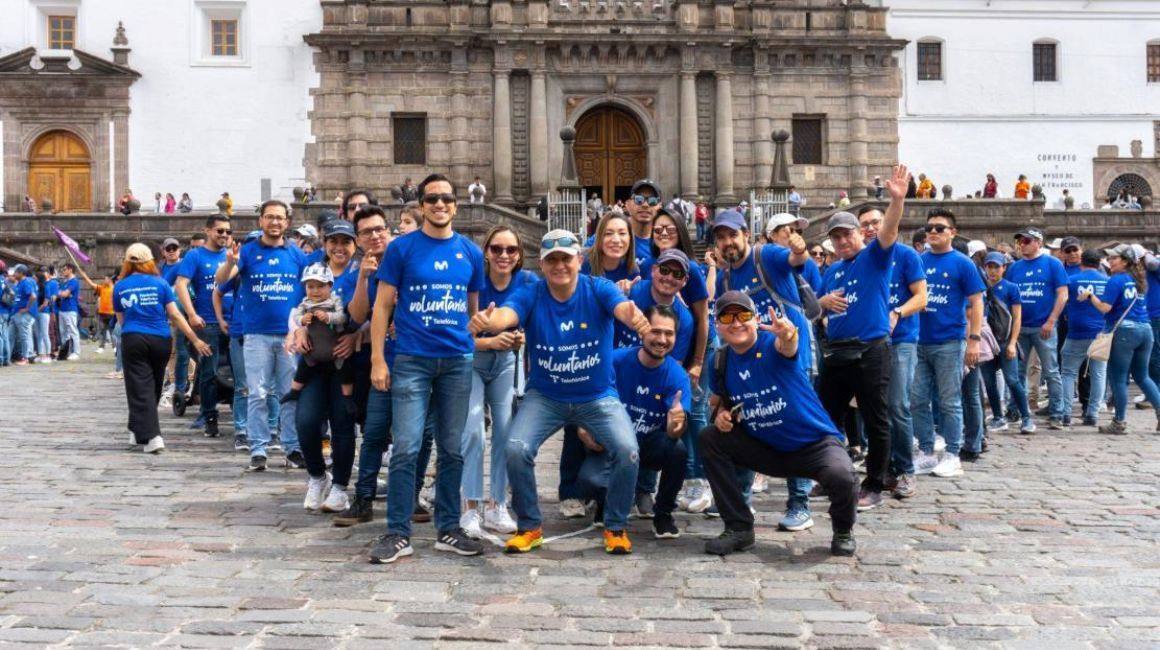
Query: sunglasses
point(559, 242)
point(353, 207)
point(818, 254)
point(371, 232)
point(728, 318)
point(223, 231)
point(170, 249)
point(664, 230)
point(432, 199)
point(1025, 240)
point(939, 228)
point(498, 250)
point(678, 274)
point(1071, 249)
point(641, 199)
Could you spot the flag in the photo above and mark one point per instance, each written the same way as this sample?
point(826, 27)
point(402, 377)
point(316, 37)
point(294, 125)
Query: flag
point(72, 246)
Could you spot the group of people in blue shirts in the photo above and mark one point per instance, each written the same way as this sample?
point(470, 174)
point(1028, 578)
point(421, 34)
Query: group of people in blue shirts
point(39, 315)
point(665, 373)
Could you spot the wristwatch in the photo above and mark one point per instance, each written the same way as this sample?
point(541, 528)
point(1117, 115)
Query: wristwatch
point(898, 311)
point(975, 337)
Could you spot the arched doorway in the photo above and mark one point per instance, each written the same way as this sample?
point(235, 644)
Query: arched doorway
point(1135, 185)
point(611, 152)
point(60, 169)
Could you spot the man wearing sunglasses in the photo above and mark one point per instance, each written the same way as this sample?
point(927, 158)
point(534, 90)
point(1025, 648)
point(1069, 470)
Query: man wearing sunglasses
point(667, 277)
point(429, 281)
point(171, 262)
point(642, 207)
point(568, 321)
point(857, 359)
point(1043, 288)
point(954, 287)
point(767, 418)
point(194, 289)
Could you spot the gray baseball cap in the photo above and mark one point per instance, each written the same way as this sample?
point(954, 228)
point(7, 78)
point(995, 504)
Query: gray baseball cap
point(733, 298)
point(842, 220)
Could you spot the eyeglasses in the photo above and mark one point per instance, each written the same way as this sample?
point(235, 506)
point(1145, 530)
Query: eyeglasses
point(641, 199)
point(938, 227)
point(275, 218)
point(664, 230)
point(1071, 249)
point(559, 242)
point(871, 223)
point(372, 231)
point(432, 199)
point(728, 318)
point(678, 274)
point(498, 250)
point(223, 231)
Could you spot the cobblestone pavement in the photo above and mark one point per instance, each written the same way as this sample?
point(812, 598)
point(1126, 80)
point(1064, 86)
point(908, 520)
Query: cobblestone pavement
point(1050, 541)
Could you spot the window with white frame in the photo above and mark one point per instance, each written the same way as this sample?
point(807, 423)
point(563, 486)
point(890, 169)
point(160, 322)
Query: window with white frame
point(54, 25)
point(220, 33)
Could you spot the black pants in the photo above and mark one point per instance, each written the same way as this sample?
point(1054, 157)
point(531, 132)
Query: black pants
point(322, 398)
point(868, 380)
point(144, 357)
point(306, 372)
point(825, 462)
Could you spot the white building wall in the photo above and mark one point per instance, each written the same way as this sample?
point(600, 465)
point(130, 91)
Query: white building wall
point(988, 115)
point(198, 125)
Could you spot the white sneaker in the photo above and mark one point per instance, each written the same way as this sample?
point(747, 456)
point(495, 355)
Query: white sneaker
point(74, 356)
point(940, 444)
point(132, 438)
point(498, 519)
point(471, 523)
point(949, 466)
point(100, 350)
point(684, 496)
point(155, 445)
point(701, 498)
point(427, 493)
point(572, 508)
point(315, 489)
point(760, 483)
point(925, 463)
point(166, 402)
point(336, 501)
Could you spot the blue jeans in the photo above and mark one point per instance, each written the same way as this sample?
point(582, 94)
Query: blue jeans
point(659, 453)
point(492, 384)
point(119, 363)
point(1071, 357)
point(376, 435)
point(898, 405)
point(973, 429)
point(698, 419)
point(939, 367)
point(5, 339)
point(23, 340)
point(420, 385)
point(43, 336)
point(269, 370)
point(1014, 382)
point(1154, 361)
point(207, 371)
point(241, 392)
point(1048, 353)
point(1131, 351)
point(607, 422)
point(181, 368)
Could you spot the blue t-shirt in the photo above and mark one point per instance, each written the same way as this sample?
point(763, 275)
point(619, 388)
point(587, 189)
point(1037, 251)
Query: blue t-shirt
point(489, 294)
point(232, 307)
point(621, 271)
point(270, 286)
point(866, 279)
point(1037, 280)
point(775, 260)
point(813, 277)
point(345, 287)
point(695, 289)
point(70, 302)
point(169, 271)
point(647, 393)
point(641, 294)
point(569, 343)
point(1072, 269)
point(51, 290)
point(951, 279)
point(1084, 321)
point(778, 405)
point(434, 278)
point(199, 266)
point(1006, 293)
point(906, 269)
point(142, 299)
point(643, 250)
point(27, 295)
point(1154, 296)
point(1119, 292)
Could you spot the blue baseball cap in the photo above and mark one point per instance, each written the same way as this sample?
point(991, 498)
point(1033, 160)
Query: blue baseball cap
point(995, 257)
point(337, 228)
point(251, 236)
point(731, 219)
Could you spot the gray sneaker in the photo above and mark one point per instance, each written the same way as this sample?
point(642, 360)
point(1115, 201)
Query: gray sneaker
point(906, 488)
point(1115, 427)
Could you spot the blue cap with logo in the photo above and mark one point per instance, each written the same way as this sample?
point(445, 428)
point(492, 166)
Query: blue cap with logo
point(731, 219)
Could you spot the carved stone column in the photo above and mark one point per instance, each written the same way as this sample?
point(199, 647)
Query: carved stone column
point(859, 149)
point(460, 168)
point(724, 136)
point(762, 124)
point(501, 137)
point(538, 133)
point(689, 135)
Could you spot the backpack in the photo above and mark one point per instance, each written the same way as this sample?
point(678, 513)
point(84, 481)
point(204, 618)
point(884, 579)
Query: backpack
point(998, 318)
point(7, 294)
point(720, 358)
point(809, 307)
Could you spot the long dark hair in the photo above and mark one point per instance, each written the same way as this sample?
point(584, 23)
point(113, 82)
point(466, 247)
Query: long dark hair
point(1136, 270)
point(684, 242)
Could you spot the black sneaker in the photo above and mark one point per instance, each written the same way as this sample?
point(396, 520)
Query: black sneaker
point(598, 514)
point(391, 548)
point(421, 515)
point(968, 456)
point(1089, 421)
point(730, 541)
point(275, 441)
point(257, 464)
point(843, 544)
point(295, 460)
point(456, 541)
point(665, 528)
point(241, 443)
point(361, 511)
point(211, 426)
point(1046, 410)
point(645, 505)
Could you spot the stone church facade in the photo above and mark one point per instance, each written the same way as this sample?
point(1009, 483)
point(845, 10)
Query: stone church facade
point(686, 92)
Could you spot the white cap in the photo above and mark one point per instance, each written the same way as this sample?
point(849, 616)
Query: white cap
point(976, 246)
point(319, 272)
point(307, 230)
point(828, 246)
point(559, 241)
point(784, 219)
point(1055, 243)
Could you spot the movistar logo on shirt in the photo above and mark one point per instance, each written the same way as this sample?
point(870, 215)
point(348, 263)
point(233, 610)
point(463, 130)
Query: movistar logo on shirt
point(129, 301)
point(440, 265)
point(744, 374)
point(273, 261)
point(567, 326)
point(642, 390)
point(1130, 293)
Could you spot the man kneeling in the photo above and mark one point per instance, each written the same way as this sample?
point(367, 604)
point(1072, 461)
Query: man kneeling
point(767, 418)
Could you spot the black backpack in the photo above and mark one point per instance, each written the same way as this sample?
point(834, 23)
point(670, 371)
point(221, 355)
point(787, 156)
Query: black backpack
point(7, 295)
point(809, 300)
point(999, 318)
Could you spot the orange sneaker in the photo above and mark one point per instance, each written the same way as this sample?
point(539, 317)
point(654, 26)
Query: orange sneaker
point(616, 542)
point(524, 541)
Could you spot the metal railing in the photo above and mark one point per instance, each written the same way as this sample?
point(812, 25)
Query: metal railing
point(568, 210)
point(764, 204)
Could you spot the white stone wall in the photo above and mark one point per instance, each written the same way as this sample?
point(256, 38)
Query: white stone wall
point(987, 115)
point(200, 127)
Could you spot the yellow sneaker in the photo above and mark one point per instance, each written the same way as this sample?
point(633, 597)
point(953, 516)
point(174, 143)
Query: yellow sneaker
point(524, 541)
point(616, 542)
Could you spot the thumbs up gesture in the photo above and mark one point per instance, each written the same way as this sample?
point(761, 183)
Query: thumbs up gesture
point(481, 321)
point(639, 322)
point(677, 418)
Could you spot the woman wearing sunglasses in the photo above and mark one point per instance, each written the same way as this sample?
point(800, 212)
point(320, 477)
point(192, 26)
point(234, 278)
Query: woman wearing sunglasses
point(493, 385)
